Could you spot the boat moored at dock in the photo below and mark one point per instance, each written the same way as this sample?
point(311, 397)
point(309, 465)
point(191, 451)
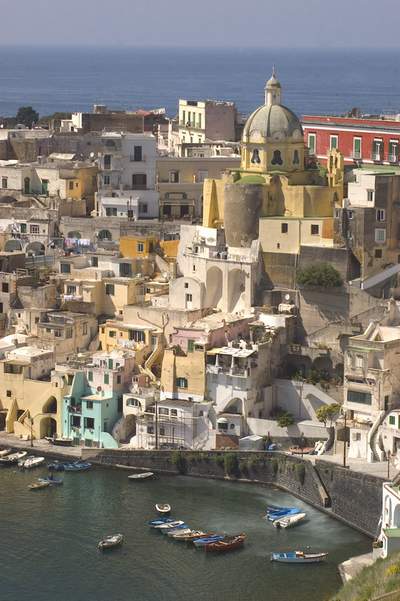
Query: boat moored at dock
point(298, 557)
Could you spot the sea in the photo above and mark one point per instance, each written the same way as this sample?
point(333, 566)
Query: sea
point(48, 541)
point(314, 81)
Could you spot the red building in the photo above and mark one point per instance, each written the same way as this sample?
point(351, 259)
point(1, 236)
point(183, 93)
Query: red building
point(360, 140)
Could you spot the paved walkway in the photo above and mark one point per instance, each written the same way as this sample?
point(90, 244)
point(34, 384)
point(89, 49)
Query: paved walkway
point(379, 468)
point(353, 566)
point(43, 446)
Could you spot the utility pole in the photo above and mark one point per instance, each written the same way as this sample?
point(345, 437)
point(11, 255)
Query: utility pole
point(388, 464)
point(156, 425)
point(345, 439)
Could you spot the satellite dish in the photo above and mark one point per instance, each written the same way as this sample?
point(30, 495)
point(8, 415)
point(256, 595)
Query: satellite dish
point(92, 155)
point(287, 297)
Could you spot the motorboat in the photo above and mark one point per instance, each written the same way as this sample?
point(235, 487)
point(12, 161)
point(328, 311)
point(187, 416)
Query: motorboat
point(228, 543)
point(183, 535)
point(171, 533)
point(289, 521)
point(169, 525)
point(5, 452)
point(60, 442)
point(159, 521)
point(31, 462)
point(38, 485)
point(298, 557)
point(142, 476)
point(115, 540)
point(77, 466)
point(52, 481)
point(206, 540)
point(13, 458)
point(276, 515)
point(163, 508)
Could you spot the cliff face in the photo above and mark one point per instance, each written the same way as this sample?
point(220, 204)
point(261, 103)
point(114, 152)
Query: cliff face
point(379, 582)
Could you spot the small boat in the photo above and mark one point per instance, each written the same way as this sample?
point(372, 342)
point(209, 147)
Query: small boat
point(298, 557)
point(38, 485)
point(276, 515)
point(159, 521)
point(13, 458)
point(5, 452)
point(52, 481)
point(142, 476)
point(31, 462)
point(228, 543)
point(206, 540)
point(60, 442)
point(110, 542)
point(183, 535)
point(289, 520)
point(169, 525)
point(171, 533)
point(56, 466)
point(77, 466)
point(163, 508)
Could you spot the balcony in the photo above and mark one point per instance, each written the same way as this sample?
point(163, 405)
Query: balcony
point(356, 155)
point(393, 158)
point(377, 156)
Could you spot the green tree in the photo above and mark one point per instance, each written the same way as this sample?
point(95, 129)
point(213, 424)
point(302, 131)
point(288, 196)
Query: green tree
point(320, 274)
point(328, 413)
point(231, 464)
point(285, 419)
point(27, 116)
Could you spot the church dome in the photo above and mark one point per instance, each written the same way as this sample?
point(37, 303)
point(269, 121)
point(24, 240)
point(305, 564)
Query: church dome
point(273, 121)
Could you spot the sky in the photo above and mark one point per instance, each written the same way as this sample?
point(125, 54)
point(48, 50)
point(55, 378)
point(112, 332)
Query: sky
point(204, 23)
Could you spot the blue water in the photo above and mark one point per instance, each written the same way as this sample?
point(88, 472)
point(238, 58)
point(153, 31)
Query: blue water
point(48, 542)
point(314, 81)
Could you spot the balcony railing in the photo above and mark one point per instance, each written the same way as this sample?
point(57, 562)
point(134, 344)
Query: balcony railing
point(377, 156)
point(356, 155)
point(393, 158)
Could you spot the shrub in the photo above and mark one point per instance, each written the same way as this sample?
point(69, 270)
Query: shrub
point(219, 460)
point(179, 461)
point(231, 465)
point(285, 419)
point(328, 413)
point(319, 274)
point(301, 472)
point(392, 570)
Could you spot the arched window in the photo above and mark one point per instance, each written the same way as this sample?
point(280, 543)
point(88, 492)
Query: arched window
point(296, 159)
point(255, 157)
point(277, 158)
point(105, 235)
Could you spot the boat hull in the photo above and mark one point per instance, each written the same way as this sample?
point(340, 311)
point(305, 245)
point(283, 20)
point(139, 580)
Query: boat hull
point(295, 557)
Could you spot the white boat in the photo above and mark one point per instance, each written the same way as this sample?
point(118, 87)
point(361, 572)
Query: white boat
point(142, 476)
point(173, 532)
point(163, 508)
point(32, 462)
point(5, 452)
point(13, 458)
point(110, 542)
point(298, 557)
point(169, 525)
point(289, 521)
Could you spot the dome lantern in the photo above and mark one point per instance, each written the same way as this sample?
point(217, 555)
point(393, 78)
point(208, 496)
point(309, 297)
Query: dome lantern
point(273, 90)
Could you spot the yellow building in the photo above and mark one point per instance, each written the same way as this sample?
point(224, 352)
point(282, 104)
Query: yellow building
point(134, 247)
point(117, 334)
point(183, 376)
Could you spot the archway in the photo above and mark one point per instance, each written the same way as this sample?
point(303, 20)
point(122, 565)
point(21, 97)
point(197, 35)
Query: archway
point(235, 406)
point(50, 406)
point(236, 288)
point(35, 249)
point(12, 245)
point(105, 235)
point(74, 234)
point(213, 287)
point(48, 427)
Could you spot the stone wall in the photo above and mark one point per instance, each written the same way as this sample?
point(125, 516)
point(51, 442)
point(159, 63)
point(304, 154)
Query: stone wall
point(350, 496)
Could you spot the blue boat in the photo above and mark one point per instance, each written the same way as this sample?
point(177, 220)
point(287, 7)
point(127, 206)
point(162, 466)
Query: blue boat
point(159, 521)
point(298, 557)
point(200, 542)
point(56, 466)
point(276, 515)
point(77, 466)
point(176, 529)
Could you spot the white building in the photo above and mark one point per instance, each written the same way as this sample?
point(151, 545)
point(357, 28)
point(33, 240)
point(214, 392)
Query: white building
point(127, 176)
point(390, 525)
point(200, 121)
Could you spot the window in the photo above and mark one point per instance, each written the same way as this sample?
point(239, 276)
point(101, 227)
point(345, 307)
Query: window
point(380, 215)
point(255, 157)
point(68, 333)
point(163, 411)
point(95, 261)
point(76, 421)
point(110, 289)
point(296, 159)
point(89, 423)
point(65, 268)
point(90, 376)
point(84, 328)
point(392, 420)
point(190, 346)
point(107, 161)
point(377, 150)
point(174, 412)
point(370, 195)
point(4, 182)
point(354, 396)
point(350, 214)
point(284, 228)
point(22, 227)
point(393, 151)
point(174, 177)
point(162, 431)
point(106, 379)
point(277, 158)
point(312, 146)
point(356, 148)
point(333, 142)
point(34, 229)
point(380, 236)
point(181, 382)
point(139, 181)
point(186, 285)
point(137, 153)
point(71, 289)
point(201, 176)
point(111, 212)
point(89, 404)
point(118, 379)
point(9, 393)
point(356, 436)
point(378, 253)
point(136, 335)
point(4, 287)
point(143, 208)
point(189, 298)
point(112, 333)
point(150, 429)
point(140, 247)
point(314, 229)
point(359, 361)
point(106, 180)
point(70, 185)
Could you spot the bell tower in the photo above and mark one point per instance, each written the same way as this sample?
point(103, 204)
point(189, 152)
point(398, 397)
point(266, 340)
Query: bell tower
point(273, 92)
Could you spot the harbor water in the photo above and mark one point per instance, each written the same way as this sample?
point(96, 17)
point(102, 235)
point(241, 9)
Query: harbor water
point(48, 541)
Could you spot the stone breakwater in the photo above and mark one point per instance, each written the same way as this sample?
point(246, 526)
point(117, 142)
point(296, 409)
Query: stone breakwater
point(349, 496)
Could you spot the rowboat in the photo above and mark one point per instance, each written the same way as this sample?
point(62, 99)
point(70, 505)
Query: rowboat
point(31, 462)
point(163, 508)
point(56, 466)
point(183, 535)
point(228, 543)
point(159, 521)
point(206, 540)
point(289, 520)
point(13, 458)
point(5, 452)
point(169, 525)
point(298, 557)
point(77, 466)
point(38, 485)
point(142, 476)
point(175, 531)
point(52, 481)
point(110, 542)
